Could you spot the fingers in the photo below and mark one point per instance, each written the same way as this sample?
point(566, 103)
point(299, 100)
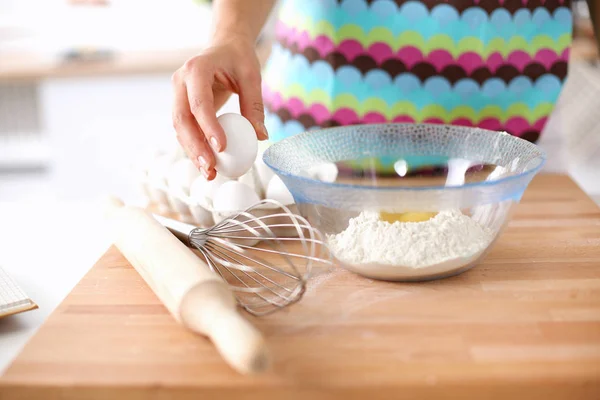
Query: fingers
point(189, 135)
point(202, 106)
point(251, 104)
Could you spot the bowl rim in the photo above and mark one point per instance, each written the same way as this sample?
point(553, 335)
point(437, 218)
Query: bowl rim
point(532, 171)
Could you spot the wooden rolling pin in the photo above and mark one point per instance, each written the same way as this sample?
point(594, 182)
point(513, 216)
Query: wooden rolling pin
point(195, 295)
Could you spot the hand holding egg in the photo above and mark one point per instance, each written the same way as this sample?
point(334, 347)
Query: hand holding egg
point(241, 181)
point(230, 147)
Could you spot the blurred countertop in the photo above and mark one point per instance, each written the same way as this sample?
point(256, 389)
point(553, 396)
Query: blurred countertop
point(33, 67)
point(22, 66)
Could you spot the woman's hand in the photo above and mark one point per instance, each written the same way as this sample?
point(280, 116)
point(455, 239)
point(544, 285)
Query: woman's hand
point(202, 85)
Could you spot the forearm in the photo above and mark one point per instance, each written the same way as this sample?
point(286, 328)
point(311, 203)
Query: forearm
point(240, 18)
point(594, 7)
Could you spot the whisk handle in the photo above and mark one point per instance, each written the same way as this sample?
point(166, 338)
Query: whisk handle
point(179, 229)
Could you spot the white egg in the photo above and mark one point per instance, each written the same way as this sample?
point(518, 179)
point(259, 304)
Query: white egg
point(181, 176)
point(251, 179)
point(202, 191)
point(326, 172)
point(234, 196)
point(241, 149)
point(279, 192)
point(201, 215)
point(307, 173)
point(263, 171)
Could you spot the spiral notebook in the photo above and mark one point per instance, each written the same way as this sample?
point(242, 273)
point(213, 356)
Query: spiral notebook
point(12, 299)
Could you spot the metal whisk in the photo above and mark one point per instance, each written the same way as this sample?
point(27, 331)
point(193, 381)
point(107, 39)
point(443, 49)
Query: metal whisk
point(265, 253)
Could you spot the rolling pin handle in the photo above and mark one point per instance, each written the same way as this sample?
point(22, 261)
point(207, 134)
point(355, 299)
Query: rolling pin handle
point(210, 309)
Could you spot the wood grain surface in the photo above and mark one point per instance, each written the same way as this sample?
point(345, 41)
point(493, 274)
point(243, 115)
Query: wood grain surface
point(524, 324)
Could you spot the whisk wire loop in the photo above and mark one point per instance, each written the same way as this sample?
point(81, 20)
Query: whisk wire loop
point(265, 253)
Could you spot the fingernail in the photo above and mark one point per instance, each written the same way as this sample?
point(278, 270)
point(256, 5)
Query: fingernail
point(204, 172)
point(263, 131)
point(202, 161)
point(214, 143)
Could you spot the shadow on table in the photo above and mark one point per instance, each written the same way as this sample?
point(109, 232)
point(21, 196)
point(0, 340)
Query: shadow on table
point(11, 324)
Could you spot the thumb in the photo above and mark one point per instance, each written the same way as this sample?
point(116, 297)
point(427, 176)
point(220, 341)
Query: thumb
point(251, 106)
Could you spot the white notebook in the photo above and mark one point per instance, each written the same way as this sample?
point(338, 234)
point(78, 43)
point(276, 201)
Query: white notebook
point(12, 299)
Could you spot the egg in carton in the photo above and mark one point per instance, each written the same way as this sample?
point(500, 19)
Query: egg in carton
point(243, 179)
point(179, 181)
point(205, 203)
point(177, 186)
point(153, 174)
point(182, 189)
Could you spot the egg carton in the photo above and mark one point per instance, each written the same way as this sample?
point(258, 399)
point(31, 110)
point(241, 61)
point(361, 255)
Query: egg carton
point(168, 185)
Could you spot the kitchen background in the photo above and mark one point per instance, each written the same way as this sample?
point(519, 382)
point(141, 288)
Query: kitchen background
point(85, 90)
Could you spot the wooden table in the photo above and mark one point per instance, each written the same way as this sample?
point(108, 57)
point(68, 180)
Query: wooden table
point(524, 324)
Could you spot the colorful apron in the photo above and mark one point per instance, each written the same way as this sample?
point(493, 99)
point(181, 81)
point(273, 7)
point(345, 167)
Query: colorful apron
point(495, 64)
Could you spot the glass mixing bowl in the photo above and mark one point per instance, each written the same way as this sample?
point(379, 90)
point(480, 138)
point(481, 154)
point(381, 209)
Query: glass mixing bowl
point(406, 201)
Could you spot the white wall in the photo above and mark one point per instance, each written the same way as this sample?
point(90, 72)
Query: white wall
point(98, 128)
point(51, 26)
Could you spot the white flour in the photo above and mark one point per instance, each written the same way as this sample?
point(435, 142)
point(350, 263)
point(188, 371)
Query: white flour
point(449, 241)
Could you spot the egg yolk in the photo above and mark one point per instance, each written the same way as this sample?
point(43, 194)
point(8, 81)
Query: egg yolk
point(406, 216)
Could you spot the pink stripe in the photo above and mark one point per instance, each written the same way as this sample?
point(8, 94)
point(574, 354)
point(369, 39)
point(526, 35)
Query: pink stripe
point(517, 125)
point(345, 116)
point(404, 119)
point(273, 99)
point(324, 45)
point(540, 123)
point(380, 52)
point(410, 55)
point(470, 61)
point(350, 49)
point(493, 124)
point(303, 40)
point(440, 58)
point(519, 59)
point(546, 57)
point(319, 112)
point(462, 122)
point(373, 118)
point(433, 120)
point(295, 106)
point(494, 61)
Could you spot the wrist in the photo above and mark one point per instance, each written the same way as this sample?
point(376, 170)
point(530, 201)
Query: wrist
point(238, 36)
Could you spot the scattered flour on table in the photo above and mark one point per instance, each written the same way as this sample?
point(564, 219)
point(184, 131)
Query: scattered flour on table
point(450, 238)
